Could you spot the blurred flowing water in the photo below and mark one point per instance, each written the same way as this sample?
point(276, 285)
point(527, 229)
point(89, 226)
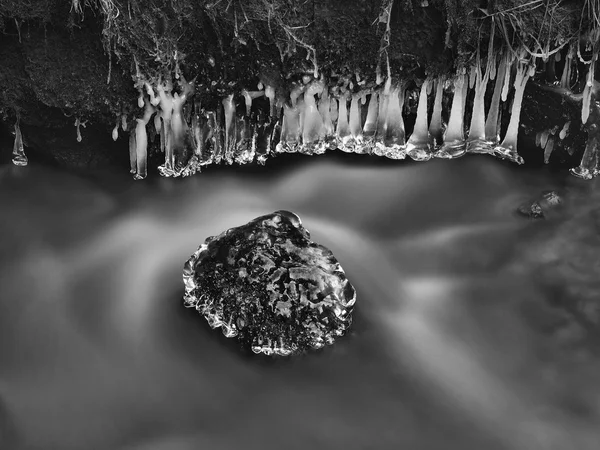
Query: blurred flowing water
point(463, 335)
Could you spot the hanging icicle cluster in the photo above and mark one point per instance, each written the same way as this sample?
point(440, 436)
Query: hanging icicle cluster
point(311, 117)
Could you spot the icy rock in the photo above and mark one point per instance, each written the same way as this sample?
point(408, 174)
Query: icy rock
point(539, 208)
point(270, 286)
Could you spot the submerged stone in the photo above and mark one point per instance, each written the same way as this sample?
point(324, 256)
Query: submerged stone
point(539, 208)
point(270, 286)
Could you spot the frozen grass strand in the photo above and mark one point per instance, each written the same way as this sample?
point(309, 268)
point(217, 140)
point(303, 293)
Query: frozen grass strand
point(418, 145)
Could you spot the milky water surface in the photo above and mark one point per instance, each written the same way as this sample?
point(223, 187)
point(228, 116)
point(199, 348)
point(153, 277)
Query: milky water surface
point(454, 341)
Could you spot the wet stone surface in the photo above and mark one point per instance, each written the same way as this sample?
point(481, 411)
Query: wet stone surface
point(548, 202)
point(270, 286)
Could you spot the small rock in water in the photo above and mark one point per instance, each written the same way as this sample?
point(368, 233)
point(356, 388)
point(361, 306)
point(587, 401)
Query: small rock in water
point(538, 209)
point(270, 286)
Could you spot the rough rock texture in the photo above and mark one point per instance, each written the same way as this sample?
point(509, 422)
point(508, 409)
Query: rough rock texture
point(541, 207)
point(268, 284)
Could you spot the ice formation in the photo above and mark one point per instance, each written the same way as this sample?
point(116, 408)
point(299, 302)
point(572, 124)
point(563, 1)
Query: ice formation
point(141, 142)
point(492, 123)
point(267, 284)
point(395, 136)
point(454, 144)
point(19, 158)
point(508, 148)
point(418, 146)
point(436, 129)
point(353, 115)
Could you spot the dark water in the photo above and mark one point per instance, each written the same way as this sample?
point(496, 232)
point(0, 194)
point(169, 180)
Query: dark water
point(474, 328)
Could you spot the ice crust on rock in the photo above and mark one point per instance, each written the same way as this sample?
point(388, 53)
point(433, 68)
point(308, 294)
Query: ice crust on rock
point(270, 286)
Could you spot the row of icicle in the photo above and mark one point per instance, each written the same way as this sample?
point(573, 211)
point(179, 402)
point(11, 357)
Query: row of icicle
point(315, 119)
point(312, 121)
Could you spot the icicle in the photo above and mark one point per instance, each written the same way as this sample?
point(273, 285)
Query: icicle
point(141, 99)
point(313, 130)
point(295, 93)
point(78, 124)
point(132, 154)
point(154, 100)
point(565, 79)
point(370, 126)
point(202, 135)
point(333, 111)
point(264, 132)
point(291, 131)
point(124, 122)
point(166, 108)
point(507, 77)
point(355, 125)
point(492, 130)
point(188, 89)
point(343, 128)
point(215, 136)
point(590, 162)
point(245, 142)
point(395, 137)
point(587, 92)
point(508, 148)
point(544, 138)
point(115, 131)
point(474, 73)
point(19, 158)
point(476, 142)
point(492, 66)
point(249, 96)
point(565, 130)
point(418, 146)
point(141, 142)
point(454, 139)
point(548, 150)
point(182, 160)
point(158, 127)
point(270, 94)
point(435, 127)
point(230, 128)
point(325, 110)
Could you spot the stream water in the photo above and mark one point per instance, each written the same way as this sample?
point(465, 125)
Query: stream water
point(474, 328)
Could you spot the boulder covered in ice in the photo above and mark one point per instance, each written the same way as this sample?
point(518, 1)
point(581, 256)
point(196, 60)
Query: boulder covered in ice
point(270, 286)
